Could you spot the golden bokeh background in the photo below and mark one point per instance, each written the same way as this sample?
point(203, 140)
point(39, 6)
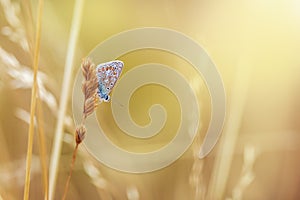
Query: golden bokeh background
point(148, 95)
point(255, 46)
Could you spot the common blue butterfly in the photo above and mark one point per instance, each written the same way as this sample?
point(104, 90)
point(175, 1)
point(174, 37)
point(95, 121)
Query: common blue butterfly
point(108, 74)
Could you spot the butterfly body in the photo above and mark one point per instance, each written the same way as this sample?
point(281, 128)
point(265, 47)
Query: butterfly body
point(108, 74)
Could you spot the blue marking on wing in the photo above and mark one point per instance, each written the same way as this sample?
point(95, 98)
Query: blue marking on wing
point(103, 93)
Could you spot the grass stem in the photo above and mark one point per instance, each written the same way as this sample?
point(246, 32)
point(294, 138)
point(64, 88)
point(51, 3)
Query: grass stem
point(228, 142)
point(70, 173)
point(33, 100)
point(42, 146)
point(66, 85)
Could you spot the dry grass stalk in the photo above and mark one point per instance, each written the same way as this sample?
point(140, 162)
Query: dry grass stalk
point(89, 89)
point(248, 175)
point(66, 85)
point(222, 165)
point(196, 178)
point(33, 100)
point(42, 145)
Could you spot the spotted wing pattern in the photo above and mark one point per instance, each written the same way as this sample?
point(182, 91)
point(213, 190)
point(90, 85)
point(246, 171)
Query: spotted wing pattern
point(108, 74)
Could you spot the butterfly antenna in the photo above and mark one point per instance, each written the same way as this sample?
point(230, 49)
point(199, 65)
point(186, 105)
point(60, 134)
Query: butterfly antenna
point(115, 101)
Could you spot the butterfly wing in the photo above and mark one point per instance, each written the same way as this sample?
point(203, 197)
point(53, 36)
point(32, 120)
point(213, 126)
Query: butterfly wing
point(108, 74)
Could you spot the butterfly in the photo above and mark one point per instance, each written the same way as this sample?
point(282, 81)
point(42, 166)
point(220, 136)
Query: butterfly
point(108, 74)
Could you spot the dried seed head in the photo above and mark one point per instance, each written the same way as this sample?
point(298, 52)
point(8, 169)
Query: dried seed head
point(89, 106)
point(87, 68)
point(89, 87)
point(80, 133)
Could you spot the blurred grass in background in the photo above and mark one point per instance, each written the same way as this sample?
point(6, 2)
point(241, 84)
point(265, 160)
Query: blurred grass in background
point(255, 45)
